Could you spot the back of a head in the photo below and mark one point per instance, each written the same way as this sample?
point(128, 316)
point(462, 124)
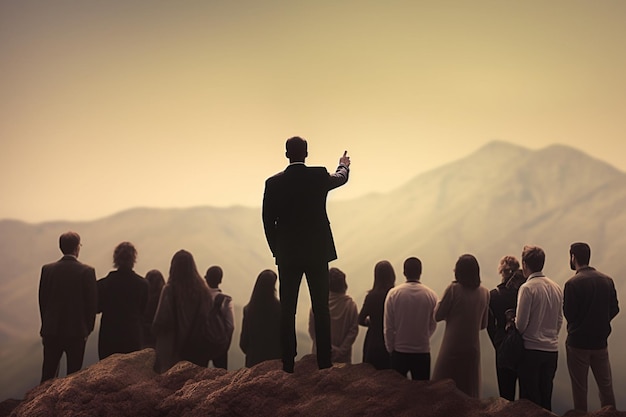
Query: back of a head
point(384, 276)
point(534, 257)
point(155, 280)
point(124, 256)
point(264, 290)
point(412, 269)
point(183, 268)
point(296, 149)
point(337, 281)
point(582, 252)
point(214, 276)
point(467, 271)
point(69, 242)
point(508, 262)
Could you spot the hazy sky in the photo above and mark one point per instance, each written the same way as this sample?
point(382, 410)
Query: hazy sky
point(112, 104)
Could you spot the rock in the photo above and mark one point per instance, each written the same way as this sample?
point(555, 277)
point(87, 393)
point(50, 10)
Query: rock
point(126, 385)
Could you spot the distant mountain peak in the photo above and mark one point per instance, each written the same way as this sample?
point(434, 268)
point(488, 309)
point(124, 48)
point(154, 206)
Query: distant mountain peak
point(504, 148)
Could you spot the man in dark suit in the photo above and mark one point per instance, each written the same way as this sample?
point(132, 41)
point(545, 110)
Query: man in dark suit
point(67, 304)
point(298, 233)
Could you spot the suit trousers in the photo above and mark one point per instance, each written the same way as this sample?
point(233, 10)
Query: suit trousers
point(290, 276)
point(536, 374)
point(578, 363)
point(53, 349)
point(416, 363)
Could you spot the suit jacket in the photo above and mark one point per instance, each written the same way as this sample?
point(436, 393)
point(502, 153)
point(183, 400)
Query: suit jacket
point(122, 298)
point(67, 299)
point(294, 213)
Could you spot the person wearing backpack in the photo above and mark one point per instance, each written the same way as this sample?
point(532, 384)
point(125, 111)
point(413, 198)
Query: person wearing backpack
point(224, 308)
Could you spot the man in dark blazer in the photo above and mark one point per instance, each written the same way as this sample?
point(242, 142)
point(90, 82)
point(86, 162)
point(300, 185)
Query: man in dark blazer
point(67, 304)
point(298, 233)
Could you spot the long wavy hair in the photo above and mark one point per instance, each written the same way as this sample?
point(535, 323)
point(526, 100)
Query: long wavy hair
point(124, 256)
point(185, 280)
point(264, 291)
point(384, 277)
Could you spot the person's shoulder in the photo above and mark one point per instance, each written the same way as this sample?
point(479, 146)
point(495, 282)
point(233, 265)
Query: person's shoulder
point(318, 171)
point(393, 291)
point(430, 292)
point(274, 178)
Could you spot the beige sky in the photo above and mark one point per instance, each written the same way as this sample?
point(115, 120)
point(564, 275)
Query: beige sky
point(116, 104)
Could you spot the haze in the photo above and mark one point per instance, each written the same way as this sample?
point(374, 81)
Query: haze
point(116, 104)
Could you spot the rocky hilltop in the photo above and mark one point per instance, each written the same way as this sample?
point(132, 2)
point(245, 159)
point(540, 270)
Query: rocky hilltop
point(125, 385)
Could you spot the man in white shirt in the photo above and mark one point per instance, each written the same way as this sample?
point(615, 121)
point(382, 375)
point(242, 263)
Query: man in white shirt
point(409, 322)
point(213, 278)
point(539, 318)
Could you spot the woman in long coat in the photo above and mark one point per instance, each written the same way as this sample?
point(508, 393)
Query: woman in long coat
point(184, 297)
point(464, 307)
point(371, 316)
point(260, 329)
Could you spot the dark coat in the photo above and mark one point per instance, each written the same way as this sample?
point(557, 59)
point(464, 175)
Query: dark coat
point(374, 350)
point(501, 299)
point(294, 213)
point(589, 305)
point(260, 334)
point(67, 299)
point(122, 298)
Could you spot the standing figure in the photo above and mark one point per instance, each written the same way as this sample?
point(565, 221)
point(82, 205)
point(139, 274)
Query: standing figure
point(122, 299)
point(539, 318)
point(589, 305)
point(372, 314)
point(344, 318)
point(298, 234)
point(67, 305)
point(502, 299)
point(156, 282)
point(184, 300)
point(213, 279)
point(465, 308)
point(410, 322)
point(260, 328)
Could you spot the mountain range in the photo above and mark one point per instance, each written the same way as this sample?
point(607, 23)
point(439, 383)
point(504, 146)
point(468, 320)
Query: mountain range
point(490, 203)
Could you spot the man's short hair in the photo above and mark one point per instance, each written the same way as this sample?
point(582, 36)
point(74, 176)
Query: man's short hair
point(296, 148)
point(69, 242)
point(534, 257)
point(337, 281)
point(581, 251)
point(412, 268)
point(214, 276)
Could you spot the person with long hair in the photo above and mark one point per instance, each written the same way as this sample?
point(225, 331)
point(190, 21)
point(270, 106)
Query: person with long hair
point(371, 316)
point(184, 299)
point(464, 307)
point(260, 328)
point(122, 298)
point(156, 282)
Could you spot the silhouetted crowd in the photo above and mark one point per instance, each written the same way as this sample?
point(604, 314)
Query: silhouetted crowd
point(523, 316)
